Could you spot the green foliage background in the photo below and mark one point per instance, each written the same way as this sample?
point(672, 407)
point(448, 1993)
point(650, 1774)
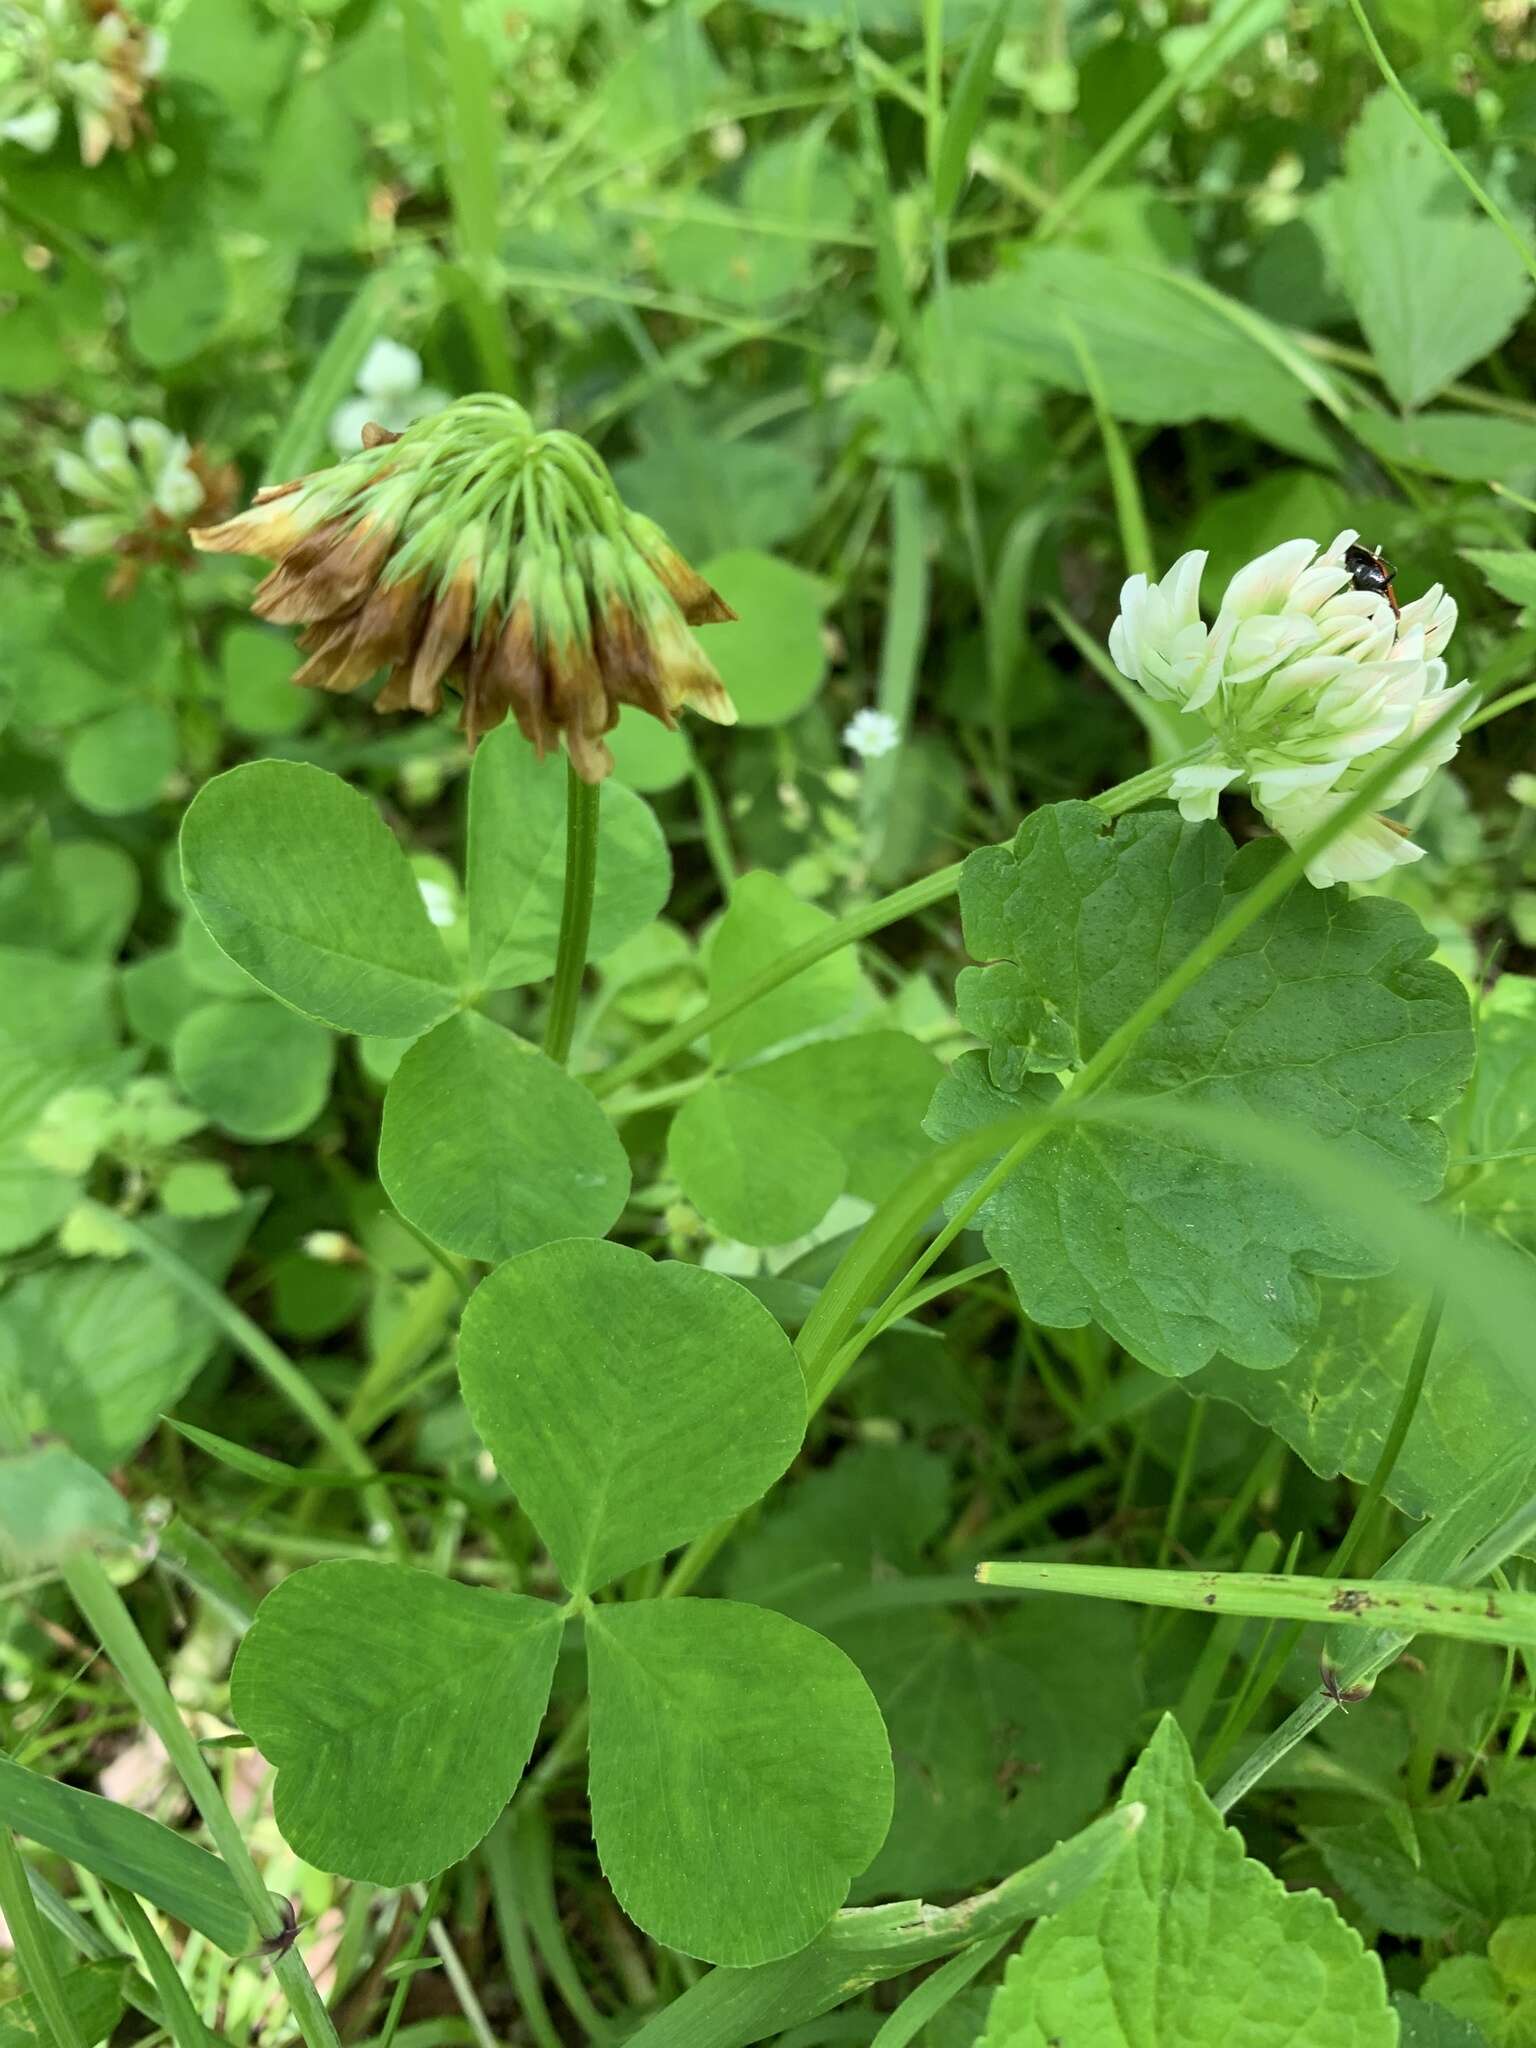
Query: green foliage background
point(415, 1375)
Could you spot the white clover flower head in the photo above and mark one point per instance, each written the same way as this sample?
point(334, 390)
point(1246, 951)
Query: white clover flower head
point(870, 734)
point(1308, 685)
point(128, 470)
point(389, 394)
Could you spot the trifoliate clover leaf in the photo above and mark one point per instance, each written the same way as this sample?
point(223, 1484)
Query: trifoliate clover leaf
point(1326, 1018)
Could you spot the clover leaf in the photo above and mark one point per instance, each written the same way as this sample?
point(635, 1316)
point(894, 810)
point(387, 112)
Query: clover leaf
point(631, 1404)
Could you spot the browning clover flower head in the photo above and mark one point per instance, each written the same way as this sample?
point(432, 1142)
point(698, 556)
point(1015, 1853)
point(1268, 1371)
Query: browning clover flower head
point(1308, 683)
point(471, 550)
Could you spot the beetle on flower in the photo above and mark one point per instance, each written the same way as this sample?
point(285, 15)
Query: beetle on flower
point(1308, 685)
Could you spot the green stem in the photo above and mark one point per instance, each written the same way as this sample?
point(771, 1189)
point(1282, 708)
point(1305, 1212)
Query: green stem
point(717, 840)
point(35, 1957)
point(575, 913)
point(114, 1627)
point(857, 924)
point(186, 2029)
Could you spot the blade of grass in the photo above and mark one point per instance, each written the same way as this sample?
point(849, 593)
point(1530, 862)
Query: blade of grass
point(1224, 40)
point(1472, 1617)
point(901, 652)
point(948, 163)
point(34, 1955)
point(331, 377)
point(186, 2029)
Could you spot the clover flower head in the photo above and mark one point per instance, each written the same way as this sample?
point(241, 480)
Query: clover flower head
point(389, 393)
point(143, 484)
point(94, 58)
point(1308, 685)
point(869, 734)
point(472, 550)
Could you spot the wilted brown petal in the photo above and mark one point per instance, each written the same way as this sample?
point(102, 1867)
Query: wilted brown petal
point(444, 637)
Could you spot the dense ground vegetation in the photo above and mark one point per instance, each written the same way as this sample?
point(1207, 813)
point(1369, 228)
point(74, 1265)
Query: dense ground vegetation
point(919, 326)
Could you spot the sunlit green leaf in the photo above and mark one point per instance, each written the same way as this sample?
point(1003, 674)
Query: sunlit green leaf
point(1327, 1013)
point(1186, 1943)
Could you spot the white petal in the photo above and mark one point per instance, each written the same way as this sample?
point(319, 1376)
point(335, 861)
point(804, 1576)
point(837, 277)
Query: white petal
point(389, 370)
point(1265, 584)
point(1339, 546)
point(105, 442)
point(1197, 788)
point(1363, 852)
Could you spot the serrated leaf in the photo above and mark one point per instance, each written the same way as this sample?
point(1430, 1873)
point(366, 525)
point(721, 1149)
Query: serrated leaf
point(1496, 1992)
point(730, 1741)
point(1163, 354)
point(1437, 1872)
point(629, 1402)
point(1334, 1403)
point(490, 1148)
point(1435, 286)
point(1185, 1942)
point(1466, 445)
point(1327, 1014)
point(302, 884)
point(1509, 571)
point(516, 870)
point(398, 1708)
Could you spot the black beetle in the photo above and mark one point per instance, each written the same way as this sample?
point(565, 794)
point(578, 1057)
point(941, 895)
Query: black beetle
point(1369, 569)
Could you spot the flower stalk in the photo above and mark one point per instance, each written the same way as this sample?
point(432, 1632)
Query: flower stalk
point(581, 819)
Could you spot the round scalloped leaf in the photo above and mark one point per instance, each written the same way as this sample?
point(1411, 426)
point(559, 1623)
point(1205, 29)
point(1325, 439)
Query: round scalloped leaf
point(1326, 1016)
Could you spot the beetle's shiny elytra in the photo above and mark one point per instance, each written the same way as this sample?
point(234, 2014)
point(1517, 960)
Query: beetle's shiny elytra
point(1369, 569)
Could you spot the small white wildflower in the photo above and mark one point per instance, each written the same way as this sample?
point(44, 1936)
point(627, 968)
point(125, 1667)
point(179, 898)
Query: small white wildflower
point(390, 394)
point(869, 734)
point(1308, 685)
